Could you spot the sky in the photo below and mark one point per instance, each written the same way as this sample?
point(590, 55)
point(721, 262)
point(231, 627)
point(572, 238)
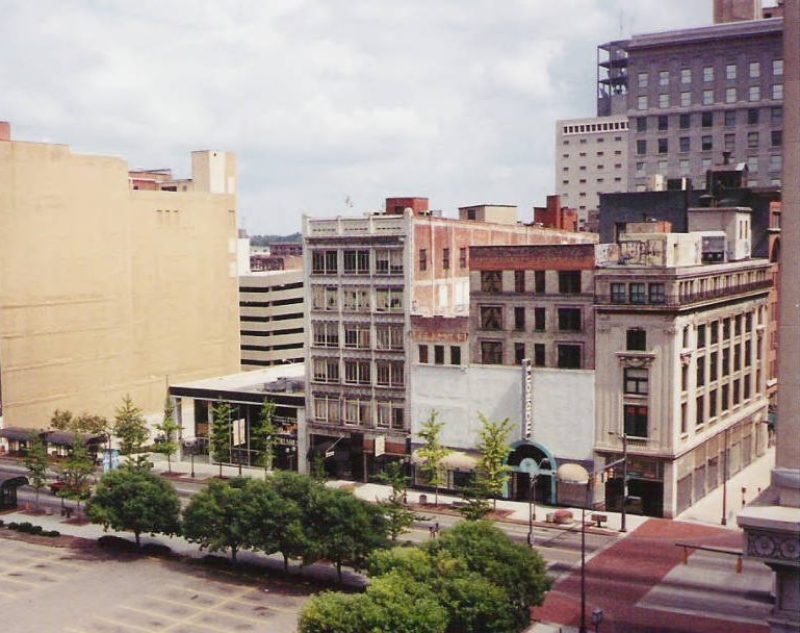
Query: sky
point(330, 105)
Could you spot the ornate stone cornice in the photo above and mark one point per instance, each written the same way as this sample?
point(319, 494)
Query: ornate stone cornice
point(635, 359)
point(773, 546)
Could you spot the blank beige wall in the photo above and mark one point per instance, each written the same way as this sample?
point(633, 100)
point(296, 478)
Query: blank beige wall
point(106, 291)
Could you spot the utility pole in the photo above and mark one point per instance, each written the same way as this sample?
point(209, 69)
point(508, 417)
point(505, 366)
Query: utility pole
point(623, 527)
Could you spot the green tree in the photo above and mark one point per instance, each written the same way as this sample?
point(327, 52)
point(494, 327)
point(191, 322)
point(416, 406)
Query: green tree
point(217, 517)
point(76, 472)
point(169, 429)
point(62, 420)
point(333, 612)
point(393, 476)
point(130, 428)
point(476, 505)
point(343, 529)
point(37, 462)
point(221, 432)
point(266, 436)
point(399, 517)
point(135, 500)
point(432, 452)
point(274, 522)
point(493, 471)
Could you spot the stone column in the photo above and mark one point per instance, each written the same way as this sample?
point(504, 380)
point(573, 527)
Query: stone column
point(772, 523)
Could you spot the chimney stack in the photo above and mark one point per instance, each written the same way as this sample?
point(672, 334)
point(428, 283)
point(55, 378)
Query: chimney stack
point(5, 131)
point(736, 10)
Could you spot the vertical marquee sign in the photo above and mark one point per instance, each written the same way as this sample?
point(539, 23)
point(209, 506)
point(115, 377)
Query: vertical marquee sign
point(527, 399)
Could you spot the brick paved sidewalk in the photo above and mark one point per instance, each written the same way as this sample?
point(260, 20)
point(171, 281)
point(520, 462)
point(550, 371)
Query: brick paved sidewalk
point(619, 578)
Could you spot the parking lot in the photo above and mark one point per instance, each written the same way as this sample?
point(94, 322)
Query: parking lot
point(62, 590)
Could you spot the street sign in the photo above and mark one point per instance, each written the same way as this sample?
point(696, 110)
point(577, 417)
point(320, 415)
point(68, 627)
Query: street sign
point(328, 454)
point(380, 445)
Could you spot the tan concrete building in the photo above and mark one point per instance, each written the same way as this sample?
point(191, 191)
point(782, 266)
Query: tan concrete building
point(106, 289)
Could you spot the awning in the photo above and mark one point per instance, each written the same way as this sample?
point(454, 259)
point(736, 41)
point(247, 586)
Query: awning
point(17, 433)
point(64, 438)
point(572, 474)
point(456, 460)
point(7, 482)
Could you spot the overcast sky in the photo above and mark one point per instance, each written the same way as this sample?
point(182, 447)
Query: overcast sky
point(322, 100)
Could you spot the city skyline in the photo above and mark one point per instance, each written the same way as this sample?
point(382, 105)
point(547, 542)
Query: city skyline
point(366, 108)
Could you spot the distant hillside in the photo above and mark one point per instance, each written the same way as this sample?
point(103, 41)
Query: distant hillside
point(266, 240)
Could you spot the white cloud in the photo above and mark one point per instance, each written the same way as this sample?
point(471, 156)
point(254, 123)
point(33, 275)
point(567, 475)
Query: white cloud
point(321, 99)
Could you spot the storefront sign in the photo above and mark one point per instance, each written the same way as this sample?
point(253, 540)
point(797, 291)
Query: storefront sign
point(527, 399)
point(380, 445)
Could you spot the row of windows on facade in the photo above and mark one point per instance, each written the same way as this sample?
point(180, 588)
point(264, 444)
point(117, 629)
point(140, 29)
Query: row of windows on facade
point(568, 355)
point(380, 414)
point(608, 126)
point(569, 282)
point(357, 335)
point(378, 261)
point(439, 354)
point(359, 372)
point(710, 96)
point(707, 119)
point(684, 166)
point(707, 142)
point(446, 262)
point(356, 299)
point(685, 76)
point(638, 292)
point(492, 318)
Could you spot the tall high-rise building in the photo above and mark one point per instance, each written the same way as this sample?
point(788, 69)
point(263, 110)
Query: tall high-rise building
point(692, 94)
point(112, 282)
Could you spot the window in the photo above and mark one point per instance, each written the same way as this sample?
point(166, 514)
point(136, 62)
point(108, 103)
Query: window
point(700, 417)
point(539, 281)
point(663, 122)
point(569, 356)
point(663, 101)
point(641, 102)
point(635, 420)
point(684, 377)
point(684, 419)
point(635, 381)
point(776, 162)
point(519, 318)
point(752, 116)
point(324, 298)
point(714, 330)
point(684, 144)
point(324, 262)
point(388, 337)
point(754, 93)
point(712, 404)
point(519, 281)
point(684, 167)
point(701, 336)
point(326, 370)
point(747, 387)
point(640, 169)
point(754, 69)
point(642, 80)
point(445, 259)
point(701, 371)
point(736, 391)
point(491, 317)
point(777, 67)
point(355, 299)
point(491, 281)
point(777, 91)
point(713, 369)
point(726, 397)
point(462, 257)
point(636, 293)
point(618, 293)
point(706, 143)
point(776, 138)
point(663, 146)
point(686, 75)
point(752, 164)
point(569, 282)
point(569, 319)
point(326, 334)
point(748, 350)
point(390, 414)
point(684, 121)
point(636, 340)
point(423, 259)
point(356, 262)
point(326, 409)
point(357, 412)
point(423, 353)
point(708, 73)
point(707, 119)
point(491, 352)
point(730, 118)
point(708, 97)
point(438, 354)
point(729, 142)
point(752, 140)
point(357, 372)
point(730, 71)
point(641, 124)
point(455, 355)
point(539, 319)
point(663, 78)
point(726, 361)
point(686, 99)
point(388, 261)
point(656, 293)
point(776, 115)
point(539, 354)
point(730, 95)
point(389, 300)
point(519, 353)
point(641, 147)
point(390, 373)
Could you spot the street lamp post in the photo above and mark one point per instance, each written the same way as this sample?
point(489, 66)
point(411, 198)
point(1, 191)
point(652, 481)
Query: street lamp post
point(532, 477)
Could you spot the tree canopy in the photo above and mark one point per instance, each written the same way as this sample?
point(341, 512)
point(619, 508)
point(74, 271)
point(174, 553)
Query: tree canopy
point(432, 452)
point(217, 517)
point(493, 472)
point(130, 428)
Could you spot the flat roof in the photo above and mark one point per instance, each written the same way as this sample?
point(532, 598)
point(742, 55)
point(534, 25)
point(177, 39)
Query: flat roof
point(249, 381)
